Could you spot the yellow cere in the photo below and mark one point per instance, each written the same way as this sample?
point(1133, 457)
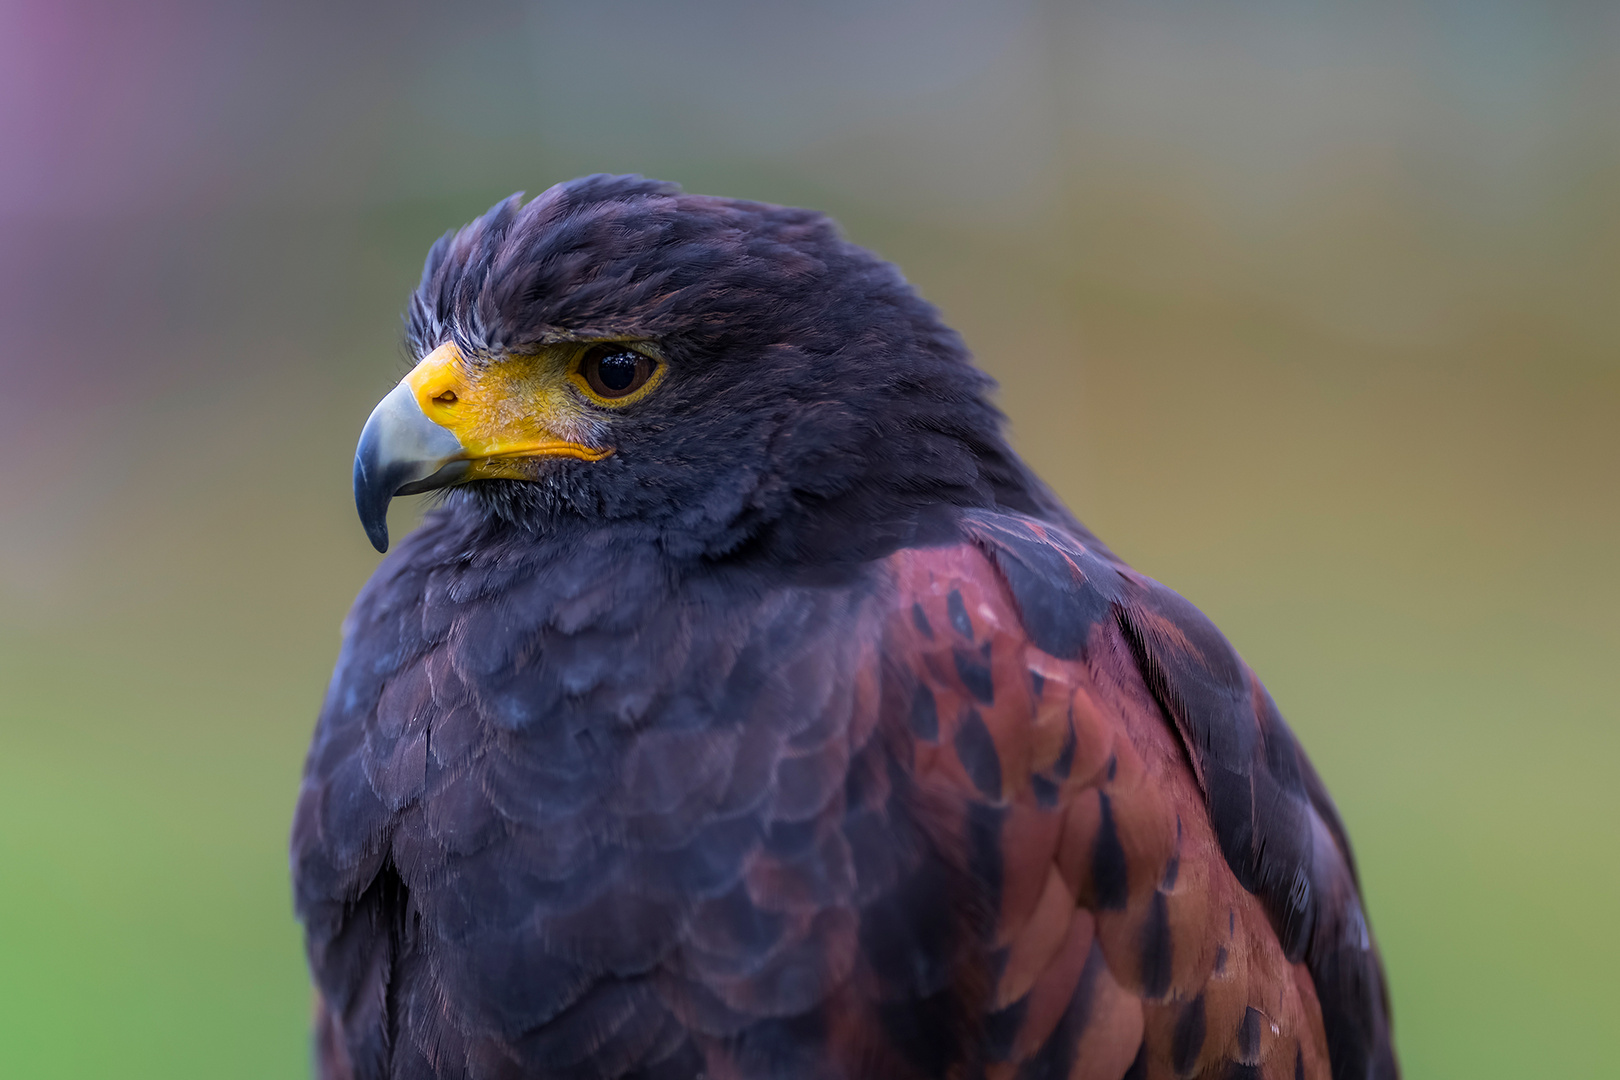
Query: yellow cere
point(511, 411)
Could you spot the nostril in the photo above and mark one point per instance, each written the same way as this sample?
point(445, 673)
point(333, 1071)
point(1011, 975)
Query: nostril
point(446, 398)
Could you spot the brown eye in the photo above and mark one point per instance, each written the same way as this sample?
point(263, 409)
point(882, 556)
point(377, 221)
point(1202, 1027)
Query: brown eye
point(614, 371)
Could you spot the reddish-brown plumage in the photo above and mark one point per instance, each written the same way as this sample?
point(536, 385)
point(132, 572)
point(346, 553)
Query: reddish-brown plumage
point(1222, 956)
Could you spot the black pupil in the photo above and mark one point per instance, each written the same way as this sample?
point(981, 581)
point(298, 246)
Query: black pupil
point(618, 370)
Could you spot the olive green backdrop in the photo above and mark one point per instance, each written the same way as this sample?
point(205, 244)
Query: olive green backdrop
point(1310, 310)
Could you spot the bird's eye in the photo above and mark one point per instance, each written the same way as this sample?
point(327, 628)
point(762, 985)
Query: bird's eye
point(612, 371)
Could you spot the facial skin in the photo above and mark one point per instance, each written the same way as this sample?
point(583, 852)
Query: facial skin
point(456, 419)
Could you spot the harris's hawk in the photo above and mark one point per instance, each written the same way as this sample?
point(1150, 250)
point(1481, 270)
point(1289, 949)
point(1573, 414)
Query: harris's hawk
point(750, 710)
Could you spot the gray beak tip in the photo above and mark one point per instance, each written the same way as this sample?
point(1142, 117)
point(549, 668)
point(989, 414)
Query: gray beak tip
point(377, 533)
point(371, 500)
point(401, 452)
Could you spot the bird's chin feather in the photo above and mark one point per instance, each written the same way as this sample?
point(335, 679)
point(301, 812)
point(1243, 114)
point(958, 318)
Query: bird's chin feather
point(537, 505)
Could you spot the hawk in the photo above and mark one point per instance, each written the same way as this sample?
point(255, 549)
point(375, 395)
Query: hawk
point(748, 709)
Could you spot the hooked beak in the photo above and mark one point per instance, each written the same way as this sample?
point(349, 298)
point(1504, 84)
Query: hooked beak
point(401, 452)
point(443, 425)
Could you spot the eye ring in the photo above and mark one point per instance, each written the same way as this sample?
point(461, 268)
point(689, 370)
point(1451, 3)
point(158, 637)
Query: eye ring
point(614, 374)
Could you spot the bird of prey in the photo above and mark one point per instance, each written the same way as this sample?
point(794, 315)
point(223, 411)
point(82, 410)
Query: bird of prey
point(748, 709)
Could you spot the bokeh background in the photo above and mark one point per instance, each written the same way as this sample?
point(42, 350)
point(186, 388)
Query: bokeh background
point(1309, 309)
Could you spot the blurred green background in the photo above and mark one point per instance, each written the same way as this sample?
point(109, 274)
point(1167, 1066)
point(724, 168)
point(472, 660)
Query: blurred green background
point(1309, 309)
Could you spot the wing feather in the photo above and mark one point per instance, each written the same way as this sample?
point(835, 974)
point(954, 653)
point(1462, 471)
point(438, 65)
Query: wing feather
point(1205, 809)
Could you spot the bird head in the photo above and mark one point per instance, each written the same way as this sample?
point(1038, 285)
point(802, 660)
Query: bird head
point(711, 370)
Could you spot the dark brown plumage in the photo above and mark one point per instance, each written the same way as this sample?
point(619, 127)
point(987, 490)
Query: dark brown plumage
point(798, 732)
